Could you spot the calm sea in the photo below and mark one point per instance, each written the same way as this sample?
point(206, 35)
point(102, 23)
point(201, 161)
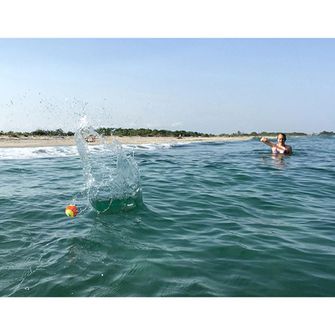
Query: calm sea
point(218, 219)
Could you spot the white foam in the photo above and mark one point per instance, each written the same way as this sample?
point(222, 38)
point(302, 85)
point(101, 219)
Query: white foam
point(152, 146)
point(70, 151)
point(38, 152)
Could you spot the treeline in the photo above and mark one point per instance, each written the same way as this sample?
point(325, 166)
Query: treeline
point(263, 133)
point(149, 132)
point(144, 132)
point(38, 132)
point(327, 133)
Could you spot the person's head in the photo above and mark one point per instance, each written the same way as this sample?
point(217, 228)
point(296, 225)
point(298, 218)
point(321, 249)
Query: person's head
point(281, 138)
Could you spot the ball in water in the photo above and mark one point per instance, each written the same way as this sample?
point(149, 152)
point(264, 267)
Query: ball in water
point(71, 211)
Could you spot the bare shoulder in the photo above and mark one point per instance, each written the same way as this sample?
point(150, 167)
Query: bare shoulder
point(289, 149)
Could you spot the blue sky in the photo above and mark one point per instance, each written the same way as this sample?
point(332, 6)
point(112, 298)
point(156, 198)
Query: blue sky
point(208, 85)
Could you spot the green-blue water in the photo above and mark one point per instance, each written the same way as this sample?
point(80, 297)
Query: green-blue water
point(220, 219)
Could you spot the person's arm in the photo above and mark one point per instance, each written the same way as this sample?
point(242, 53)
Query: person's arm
point(289, 149)
point(267, 142)
point(282, 147)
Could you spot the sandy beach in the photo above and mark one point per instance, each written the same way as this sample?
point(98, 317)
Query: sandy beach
point(47, 141)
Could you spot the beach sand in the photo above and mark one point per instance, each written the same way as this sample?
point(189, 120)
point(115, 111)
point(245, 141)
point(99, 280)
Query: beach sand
point(47, 141)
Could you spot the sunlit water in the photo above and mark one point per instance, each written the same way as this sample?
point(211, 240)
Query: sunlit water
point(220, 219)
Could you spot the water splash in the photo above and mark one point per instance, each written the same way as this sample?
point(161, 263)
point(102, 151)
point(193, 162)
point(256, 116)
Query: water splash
point(112, 176)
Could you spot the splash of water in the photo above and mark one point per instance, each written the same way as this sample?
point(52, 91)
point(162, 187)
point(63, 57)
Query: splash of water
point(112, 176)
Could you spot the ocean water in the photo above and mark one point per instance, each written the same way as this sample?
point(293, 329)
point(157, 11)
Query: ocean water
point(217, 219)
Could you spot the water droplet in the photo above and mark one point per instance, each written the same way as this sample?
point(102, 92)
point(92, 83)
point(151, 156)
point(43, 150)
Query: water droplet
point(112, 176)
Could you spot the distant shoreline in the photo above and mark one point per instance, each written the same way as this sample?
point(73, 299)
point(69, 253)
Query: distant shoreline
point(51, 141)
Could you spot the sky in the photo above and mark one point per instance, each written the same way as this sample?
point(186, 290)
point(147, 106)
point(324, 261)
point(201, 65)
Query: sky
point(207, 85)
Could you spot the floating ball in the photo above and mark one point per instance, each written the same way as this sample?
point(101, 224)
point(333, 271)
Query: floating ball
point(71, 211)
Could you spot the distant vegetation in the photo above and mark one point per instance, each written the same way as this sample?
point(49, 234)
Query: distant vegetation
point(38, 132)
point(151, 133)
point(327, 133)
point(263, 133)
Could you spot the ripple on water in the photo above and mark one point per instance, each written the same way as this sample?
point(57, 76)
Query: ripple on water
point(217, 220)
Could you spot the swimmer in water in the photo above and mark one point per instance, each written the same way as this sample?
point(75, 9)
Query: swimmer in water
point(280, 147)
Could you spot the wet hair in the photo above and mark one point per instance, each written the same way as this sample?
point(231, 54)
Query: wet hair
point(283, 135)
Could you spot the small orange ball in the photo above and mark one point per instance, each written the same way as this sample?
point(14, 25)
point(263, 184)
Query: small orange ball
point(71, 211)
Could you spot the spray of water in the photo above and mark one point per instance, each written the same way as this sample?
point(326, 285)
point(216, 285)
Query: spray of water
point(111, 175)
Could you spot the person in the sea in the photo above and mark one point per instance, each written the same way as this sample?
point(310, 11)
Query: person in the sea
point(280, 147)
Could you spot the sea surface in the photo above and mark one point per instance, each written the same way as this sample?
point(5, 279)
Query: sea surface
point(217, 219)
